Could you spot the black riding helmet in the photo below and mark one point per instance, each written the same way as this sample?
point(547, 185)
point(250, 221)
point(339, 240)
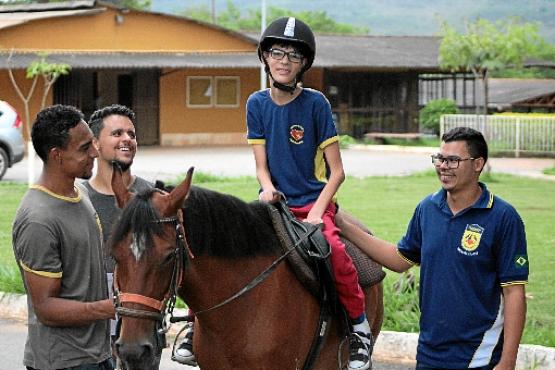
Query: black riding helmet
point(288, 30)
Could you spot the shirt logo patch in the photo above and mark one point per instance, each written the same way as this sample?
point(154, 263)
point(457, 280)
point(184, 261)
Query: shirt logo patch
point(521, 261)
point(471, 237)
point(296, 134)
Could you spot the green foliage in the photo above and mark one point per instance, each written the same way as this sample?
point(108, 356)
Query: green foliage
point(402, 311)
point(549, 171)
point(430, 115)
point(546, 52)
point(10, 280)
point(534, 72)
point(50, 71)
point(137, 4)
point(346, 140)
point(489, 46)
point(249, 21)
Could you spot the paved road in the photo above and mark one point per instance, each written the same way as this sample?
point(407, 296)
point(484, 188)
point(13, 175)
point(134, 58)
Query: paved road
point(166, 162)
point(12, 340)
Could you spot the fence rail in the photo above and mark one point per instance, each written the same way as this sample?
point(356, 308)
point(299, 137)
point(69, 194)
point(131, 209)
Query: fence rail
point(508, 133)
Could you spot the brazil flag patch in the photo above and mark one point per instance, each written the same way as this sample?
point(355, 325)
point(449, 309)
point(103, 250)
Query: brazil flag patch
point(521, 261)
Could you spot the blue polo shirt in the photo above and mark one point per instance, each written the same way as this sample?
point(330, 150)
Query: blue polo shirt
point(465, 260)
point(295, 136)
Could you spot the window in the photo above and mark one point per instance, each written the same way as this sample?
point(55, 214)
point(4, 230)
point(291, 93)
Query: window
point(227, 92)
point(219, 92)
point(199, 92)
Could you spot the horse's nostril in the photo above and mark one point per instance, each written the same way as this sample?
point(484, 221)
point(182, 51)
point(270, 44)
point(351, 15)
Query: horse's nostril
point(134, 352)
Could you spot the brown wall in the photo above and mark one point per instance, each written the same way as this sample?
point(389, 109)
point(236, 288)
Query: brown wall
point(181, 125)
point(139, 31)
point(102, 32)
point(314, 78)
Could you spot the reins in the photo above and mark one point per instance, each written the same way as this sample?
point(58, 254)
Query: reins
point(166, 306)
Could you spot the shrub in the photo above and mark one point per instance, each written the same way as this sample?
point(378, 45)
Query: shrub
point(429, 115)
point(346, 140)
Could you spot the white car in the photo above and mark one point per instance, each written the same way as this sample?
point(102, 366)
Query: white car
point(12, 145)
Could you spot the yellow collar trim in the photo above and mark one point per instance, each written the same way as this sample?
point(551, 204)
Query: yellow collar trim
point(76, 199)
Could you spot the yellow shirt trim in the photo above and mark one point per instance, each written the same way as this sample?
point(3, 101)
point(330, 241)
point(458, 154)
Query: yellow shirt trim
point(490, 201)
point(327, 142)
point(412, 263)
point(54, 275)
point(521, 282)
point(256, 141)
point(51, 193)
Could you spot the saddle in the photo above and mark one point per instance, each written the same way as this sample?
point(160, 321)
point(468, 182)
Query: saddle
point(312, 247)
point(289, 230)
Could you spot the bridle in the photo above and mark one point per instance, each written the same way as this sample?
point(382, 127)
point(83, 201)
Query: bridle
point(163, 307)
point(166, 306)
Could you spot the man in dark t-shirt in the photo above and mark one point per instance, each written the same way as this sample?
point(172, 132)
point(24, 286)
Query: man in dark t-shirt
point(113, 128)
point(57, 246)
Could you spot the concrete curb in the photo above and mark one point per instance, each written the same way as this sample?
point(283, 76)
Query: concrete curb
point(402, 346)
point(390, 345)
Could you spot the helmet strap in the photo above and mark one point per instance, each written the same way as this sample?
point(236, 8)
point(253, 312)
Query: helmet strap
point(283, 87)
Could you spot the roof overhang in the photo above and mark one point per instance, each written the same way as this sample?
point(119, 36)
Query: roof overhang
point(176, 60)
point(135, 60)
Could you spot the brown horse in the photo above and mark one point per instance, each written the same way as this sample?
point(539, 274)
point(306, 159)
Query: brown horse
point(205, 246)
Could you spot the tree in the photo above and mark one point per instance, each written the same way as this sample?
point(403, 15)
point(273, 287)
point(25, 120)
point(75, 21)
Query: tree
point(49, 72)
point(137, 4)
point(488, 46)
point(233, 19)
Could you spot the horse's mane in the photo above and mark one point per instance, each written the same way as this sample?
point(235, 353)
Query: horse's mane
point(222, 225)
point(216, 224)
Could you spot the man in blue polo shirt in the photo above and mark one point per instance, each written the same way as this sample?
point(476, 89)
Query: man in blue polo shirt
point(471, 248)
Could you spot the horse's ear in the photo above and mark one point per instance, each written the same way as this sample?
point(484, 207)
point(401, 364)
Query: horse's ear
point(123, 195)
point(179, 194)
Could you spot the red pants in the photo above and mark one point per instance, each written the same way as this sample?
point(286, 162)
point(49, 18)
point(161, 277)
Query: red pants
point(346, 278)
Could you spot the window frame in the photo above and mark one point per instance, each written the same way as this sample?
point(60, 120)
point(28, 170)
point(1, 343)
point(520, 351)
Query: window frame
point(213, 84)
point(188, 92)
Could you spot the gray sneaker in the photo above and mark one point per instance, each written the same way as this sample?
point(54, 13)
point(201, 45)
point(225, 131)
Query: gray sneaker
point(184, 352)
point(360, 351)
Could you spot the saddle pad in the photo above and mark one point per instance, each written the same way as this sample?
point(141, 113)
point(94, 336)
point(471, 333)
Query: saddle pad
point(369, 271)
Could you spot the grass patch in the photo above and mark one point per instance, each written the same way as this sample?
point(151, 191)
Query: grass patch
point(425, 141)
point(549, 171)
point(386, 204)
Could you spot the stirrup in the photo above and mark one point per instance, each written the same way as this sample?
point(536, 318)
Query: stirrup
point(187, 356)
point(360, 350)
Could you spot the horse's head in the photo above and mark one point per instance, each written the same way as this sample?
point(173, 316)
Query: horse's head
point(147, 244)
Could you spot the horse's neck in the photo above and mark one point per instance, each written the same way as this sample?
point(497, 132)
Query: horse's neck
point(278, 316)
point(219, 225)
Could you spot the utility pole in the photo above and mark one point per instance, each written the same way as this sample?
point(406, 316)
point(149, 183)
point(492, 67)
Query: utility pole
point(262, 28)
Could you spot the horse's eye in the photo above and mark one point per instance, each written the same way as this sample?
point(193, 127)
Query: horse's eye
point(169, 258)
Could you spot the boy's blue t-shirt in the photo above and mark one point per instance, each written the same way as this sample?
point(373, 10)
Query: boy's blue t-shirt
point(295, 135)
